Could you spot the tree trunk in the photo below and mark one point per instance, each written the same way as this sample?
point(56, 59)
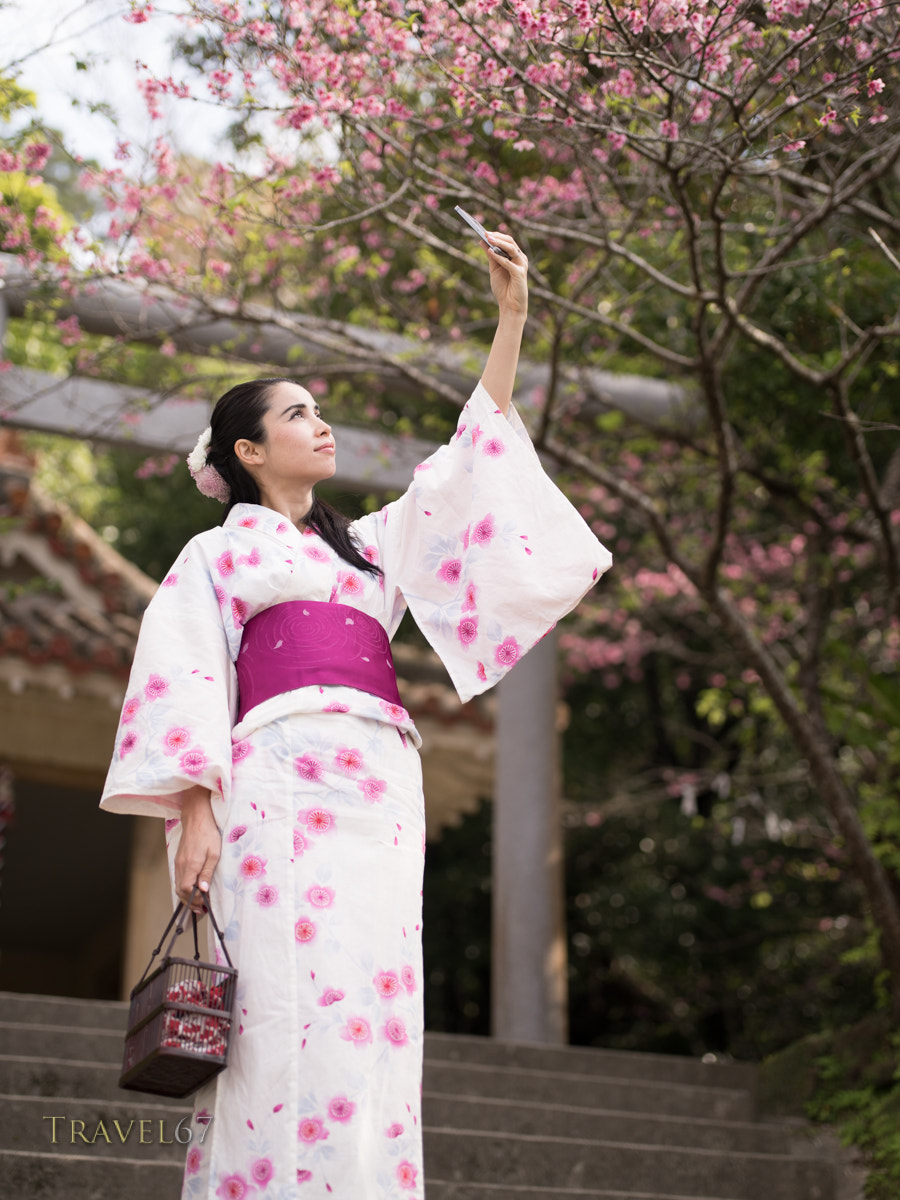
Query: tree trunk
point(814, 746)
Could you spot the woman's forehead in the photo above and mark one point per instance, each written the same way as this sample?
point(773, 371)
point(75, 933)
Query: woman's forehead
point(284, 395)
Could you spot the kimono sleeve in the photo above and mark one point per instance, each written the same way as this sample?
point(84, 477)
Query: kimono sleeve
point(486, 550)
point(175, 727)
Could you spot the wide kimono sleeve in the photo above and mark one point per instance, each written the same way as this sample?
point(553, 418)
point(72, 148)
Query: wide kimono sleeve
point(486, 550)
point(175, 727)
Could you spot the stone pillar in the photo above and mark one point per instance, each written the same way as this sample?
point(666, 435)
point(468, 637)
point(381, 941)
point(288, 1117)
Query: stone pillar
point(528, 973)
point(150, 902)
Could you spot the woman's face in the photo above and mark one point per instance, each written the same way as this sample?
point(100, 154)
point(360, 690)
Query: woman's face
point(298, 446)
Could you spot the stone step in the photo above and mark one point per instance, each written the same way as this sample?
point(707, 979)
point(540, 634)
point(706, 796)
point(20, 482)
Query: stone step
point(441, 1189)
point(582, 1091)
point(61, 1041)
point(26, 1075)
point(78, 1177)
point(88, 1079)
point(62, 1010)
point(566, 1120)
point(554, 1163)
point(82, 1177)
point(26, 1124)
point(145, 1129)
point(585, 1060)
point(111, 1017)
point(515, 1166)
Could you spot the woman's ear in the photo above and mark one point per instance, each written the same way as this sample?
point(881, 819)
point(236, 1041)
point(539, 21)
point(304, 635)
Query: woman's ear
point(248, 454)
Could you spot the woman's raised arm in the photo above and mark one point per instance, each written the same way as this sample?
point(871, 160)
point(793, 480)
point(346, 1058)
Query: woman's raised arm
point(509, 283)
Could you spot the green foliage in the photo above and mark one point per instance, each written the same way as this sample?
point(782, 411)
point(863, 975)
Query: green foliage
point(457, 927)
point(856, 1087)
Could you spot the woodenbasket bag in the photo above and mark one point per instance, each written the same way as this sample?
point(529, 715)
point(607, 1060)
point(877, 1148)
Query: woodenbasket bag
point(179, 1024)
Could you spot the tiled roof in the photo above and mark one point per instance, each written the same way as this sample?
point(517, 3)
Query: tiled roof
point(65, 595)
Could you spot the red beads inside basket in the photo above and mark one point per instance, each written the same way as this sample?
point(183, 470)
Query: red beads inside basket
point(197, 1032)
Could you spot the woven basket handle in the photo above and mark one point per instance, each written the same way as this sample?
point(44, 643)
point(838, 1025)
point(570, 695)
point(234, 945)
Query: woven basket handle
point(178, 915)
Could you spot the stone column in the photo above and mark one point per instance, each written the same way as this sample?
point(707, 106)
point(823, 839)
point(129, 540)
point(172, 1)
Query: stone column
point(528, 975)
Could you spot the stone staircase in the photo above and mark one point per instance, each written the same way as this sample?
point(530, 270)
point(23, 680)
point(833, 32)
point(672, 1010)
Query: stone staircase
point(502, 1121)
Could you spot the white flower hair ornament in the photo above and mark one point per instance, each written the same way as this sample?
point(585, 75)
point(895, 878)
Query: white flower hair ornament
point(208, 480)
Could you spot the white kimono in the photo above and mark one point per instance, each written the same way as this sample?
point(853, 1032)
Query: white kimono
point(318, 796)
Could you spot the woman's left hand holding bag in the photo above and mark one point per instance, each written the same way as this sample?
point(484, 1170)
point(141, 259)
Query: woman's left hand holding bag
point(200, 846)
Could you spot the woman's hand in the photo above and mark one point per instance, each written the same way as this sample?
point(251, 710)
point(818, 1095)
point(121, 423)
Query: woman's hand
point(200, 846)
point(509, 277)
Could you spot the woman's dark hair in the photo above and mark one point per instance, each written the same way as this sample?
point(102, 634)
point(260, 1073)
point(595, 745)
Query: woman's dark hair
point(239, 414)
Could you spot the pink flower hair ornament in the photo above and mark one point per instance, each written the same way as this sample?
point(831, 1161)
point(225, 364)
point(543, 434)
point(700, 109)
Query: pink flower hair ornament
point(208, 480)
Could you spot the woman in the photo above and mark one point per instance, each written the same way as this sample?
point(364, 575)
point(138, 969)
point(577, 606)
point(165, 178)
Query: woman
point(262, 719)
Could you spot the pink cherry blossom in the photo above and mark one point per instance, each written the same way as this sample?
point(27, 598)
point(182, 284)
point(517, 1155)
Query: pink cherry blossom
point(239, 611)
point(394, 1131)
point(467, 630)
point(494, 447)
point(469, 599)
point(348, 760)
point(176, 740)
point(303, 1176)
point(225, 564)
point(341, 1109)
point(237, 833)
point(240, 750)
point(130, 709)
point(308, 767)
point(234, 1187)
point(156, 687)
point(450, 570)
point(300, 842)
point(350, 584)
point(319, 820)
point(128, 743)
point(408, 978)
point(387, 984)
point(193, 762)
point(406, 1175)
point(252, 867)
point(330, 996)
point(320, 896)
point(304, 930)
point(395, 1032)
point(193, 1160)
point(483, 530)
point(266, 896)
point(372, 789)
point(312, 1129)
point(358, 1031)
point(507, 652)
point(262, 1170)
point(394, 712)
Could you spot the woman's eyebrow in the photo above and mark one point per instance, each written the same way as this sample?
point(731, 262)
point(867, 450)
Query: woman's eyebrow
point(301, 405)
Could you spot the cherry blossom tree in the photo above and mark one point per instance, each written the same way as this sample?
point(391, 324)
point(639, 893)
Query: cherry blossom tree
point(706, 192)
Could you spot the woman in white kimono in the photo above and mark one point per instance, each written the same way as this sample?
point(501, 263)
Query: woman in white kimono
point(262, 720)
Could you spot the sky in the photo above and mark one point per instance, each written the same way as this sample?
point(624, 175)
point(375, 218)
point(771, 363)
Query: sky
point(43, 40)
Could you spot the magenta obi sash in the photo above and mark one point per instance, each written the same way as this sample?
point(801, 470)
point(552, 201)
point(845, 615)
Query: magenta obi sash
point(302, 642)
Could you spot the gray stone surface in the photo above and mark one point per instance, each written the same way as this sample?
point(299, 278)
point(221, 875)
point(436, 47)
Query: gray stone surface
point(502, 1122)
